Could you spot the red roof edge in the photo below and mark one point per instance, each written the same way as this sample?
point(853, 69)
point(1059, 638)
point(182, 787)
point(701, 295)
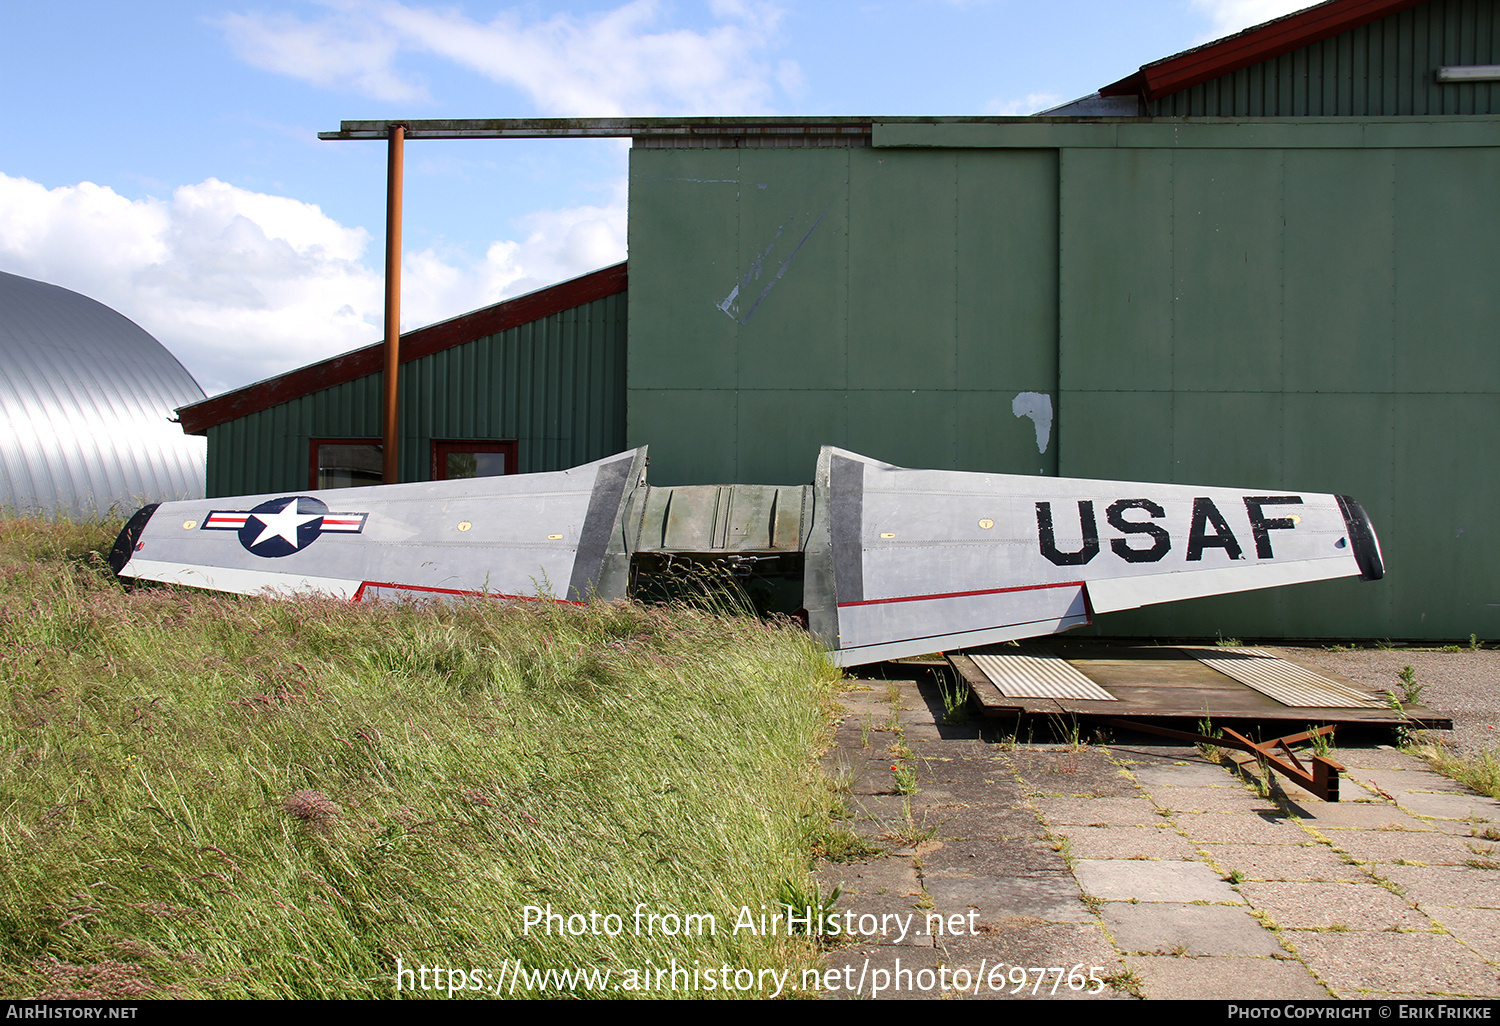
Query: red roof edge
point(199, 417)
point(1252, 46)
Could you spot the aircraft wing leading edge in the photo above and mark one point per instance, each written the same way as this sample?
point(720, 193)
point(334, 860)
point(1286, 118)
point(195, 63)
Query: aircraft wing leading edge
point(928, 560)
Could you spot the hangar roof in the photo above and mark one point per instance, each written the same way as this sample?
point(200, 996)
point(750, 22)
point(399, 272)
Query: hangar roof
point(199, 417)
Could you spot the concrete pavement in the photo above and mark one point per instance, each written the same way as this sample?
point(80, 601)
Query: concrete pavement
point(1051, 871)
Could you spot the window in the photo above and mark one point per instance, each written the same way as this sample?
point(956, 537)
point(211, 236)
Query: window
point(455, 460)
point(345, 463)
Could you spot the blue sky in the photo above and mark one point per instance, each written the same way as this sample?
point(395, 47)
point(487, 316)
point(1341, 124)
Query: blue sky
point(163, 157)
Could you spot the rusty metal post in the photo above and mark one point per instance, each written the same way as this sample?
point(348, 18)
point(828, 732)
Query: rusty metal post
point(390, 472)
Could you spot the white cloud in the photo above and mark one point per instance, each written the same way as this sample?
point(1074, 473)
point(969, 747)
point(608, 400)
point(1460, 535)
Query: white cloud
point(342, 52)
point(1230, 16)
point(242, 285)
point(1016, 108)
point(625, 61)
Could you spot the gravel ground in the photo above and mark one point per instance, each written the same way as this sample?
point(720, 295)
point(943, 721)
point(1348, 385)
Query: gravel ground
point(1465, 685)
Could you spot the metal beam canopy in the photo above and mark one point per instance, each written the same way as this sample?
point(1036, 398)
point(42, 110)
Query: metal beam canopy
point(599, 128)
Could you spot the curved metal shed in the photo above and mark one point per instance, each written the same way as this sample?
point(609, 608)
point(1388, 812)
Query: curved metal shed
point(86, 401)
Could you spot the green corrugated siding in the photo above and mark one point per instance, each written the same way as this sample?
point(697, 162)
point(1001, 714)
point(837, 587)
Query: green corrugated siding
point(1385, 68)
point(1278, 316)
point(809, 353)
point(556, 386)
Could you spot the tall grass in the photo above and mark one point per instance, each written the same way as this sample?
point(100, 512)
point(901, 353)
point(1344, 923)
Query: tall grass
point(206, 795)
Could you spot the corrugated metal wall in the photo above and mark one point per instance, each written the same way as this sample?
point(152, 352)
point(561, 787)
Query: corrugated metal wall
point(1299, 305)
point(555, 385)
point(793, 298)
point(1384, 68)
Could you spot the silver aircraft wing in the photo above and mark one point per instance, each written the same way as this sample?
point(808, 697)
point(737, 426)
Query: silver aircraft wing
point(929, 560)
point(552, 535)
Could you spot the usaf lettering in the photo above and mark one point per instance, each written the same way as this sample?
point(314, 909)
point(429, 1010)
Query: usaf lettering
point(1145, 542)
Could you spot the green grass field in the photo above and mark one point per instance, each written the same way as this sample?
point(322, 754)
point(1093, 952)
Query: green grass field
point(214, 796)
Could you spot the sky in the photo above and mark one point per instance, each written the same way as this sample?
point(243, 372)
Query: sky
point(163, 158)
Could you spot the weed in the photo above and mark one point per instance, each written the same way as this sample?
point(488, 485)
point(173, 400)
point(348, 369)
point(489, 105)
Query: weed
point(1126, 981)
point(899, 749)
point(800, 900)
point(1206, 728)
point(1411, 691)
point(1451, 648)
point(955, 699)
point(1224, 642)
point(1482, 864)
point(1405, 734)
point(909, 833)
point(1474, 643)
point(1322, 744)
point(1385, 644)
point(1234, 876)
point(1094, 902)
point(864, 731)
point(905, 781)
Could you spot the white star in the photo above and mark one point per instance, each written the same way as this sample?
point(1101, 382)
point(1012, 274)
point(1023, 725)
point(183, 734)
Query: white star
point(284, 523)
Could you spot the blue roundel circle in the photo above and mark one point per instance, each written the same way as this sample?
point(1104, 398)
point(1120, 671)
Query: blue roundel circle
point(283, 526)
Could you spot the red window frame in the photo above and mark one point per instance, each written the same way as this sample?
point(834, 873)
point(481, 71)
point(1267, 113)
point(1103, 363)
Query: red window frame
point(442, 447)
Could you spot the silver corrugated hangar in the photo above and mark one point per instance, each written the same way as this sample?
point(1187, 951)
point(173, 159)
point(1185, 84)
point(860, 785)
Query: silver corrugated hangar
point(86, 407)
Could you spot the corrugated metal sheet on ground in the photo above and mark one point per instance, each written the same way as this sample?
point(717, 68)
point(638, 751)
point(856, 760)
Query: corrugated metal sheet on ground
point(1287, 682)
point(1038, 673)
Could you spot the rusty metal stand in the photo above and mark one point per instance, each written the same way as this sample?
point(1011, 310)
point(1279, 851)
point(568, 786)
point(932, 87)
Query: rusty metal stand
point(1322, 779)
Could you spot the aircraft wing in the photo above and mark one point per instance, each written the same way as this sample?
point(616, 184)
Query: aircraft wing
point(549, 535)
point(929, 560)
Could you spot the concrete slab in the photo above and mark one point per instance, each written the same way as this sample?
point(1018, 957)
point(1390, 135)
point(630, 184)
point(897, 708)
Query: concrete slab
point(1244, 979)
point(1450, 805)
point(1097, 811)
point(1229, 798)
point(1428, 847)
point(1375, 815)
point(1364, 965)
point(1167, 928)
point(1458, 886)
point(1182, 773)
point(1326, 905)
point(1310, 861)
point(1255, 824)
point(1128, 843)
point(1051, 897)
point(1124, 880)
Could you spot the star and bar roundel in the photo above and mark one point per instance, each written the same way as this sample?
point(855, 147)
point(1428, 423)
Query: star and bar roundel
point(284, 526)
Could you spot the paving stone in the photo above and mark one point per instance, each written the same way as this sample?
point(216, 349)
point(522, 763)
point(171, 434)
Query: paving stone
point(1052, 897)
point(1208, 978)
point(1174, 800)
point(1185, 774)
point(1255, 825)
point(1430, 847)
point(1323, 905)
point(995, 856)
point(1395, 781)
point(1378, 815)
point(1309, 861)
point(1160, 842)
point(1358, 965)
point(1458, 886)
point(1097, 811)
point(1023, 942)
point(1472, 927)
point(1450, 805)
point(1123, 880)
point(1166, 928)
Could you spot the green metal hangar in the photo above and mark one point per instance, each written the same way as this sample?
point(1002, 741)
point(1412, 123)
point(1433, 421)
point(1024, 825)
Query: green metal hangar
point(1268, 262)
